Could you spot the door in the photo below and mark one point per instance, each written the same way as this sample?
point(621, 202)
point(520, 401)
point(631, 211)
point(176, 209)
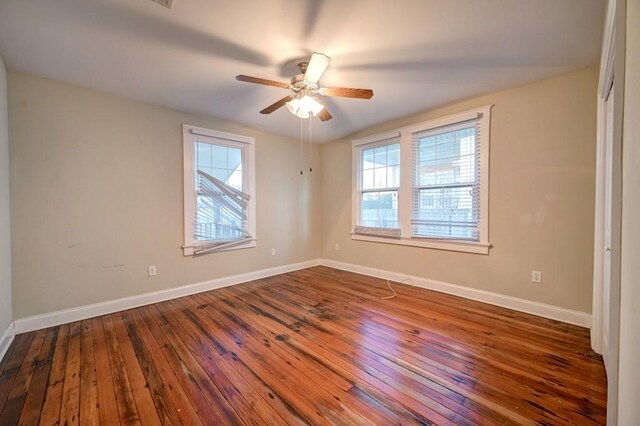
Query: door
point(608, 203)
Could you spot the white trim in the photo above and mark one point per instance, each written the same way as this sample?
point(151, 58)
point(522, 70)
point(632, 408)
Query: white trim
point(188, 129)
point(51, 319)
point(247, 144)
point(540, 309)
point(463, 246)
point(6, 339)
point(598, 238)
point(378, 137)
point(607, 60)
point(607, 55)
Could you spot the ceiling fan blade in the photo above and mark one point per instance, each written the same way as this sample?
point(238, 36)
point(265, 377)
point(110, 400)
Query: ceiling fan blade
point(276, 105)
point(317, 65)
point(347, 92)
point(256, 80)
point(324, 115)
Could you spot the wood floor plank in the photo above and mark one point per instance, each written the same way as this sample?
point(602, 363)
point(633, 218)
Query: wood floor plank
point(107, 405)
point(144, 402)
point(12, 409)
point(315, 346)
point(88, 381)
point(35, 396)
point(70, 410)
point(126, 403)
point(53, 396)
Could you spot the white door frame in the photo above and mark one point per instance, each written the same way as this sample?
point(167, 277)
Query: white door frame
point(604, 86)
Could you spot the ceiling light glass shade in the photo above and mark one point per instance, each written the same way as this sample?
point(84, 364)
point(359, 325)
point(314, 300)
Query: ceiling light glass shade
point(304, 107)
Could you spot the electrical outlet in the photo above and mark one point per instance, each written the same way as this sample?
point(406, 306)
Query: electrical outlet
point(337, 247)
point(536, 276)
point(273, 252)
point(152, 271)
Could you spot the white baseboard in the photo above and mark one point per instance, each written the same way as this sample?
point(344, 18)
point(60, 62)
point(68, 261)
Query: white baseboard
point(6, 339)
point(51, 319)
point(536, 308)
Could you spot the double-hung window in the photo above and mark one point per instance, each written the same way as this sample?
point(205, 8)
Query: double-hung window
point(438, 196)
point(378, 184)
point(446, 182)
point(219, 191)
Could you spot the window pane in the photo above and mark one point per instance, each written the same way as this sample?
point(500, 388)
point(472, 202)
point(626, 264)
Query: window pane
point(235, 180)
point(381, 167)
point(380, 177)
point(367, 179)
point(441, 157)
point(234, 158)
point(221, 174)
point(368, 159)
point(381, 156)
point(393, 155)
point(393, 176)
point(203, 155)
point(219, 156)
point(379, 209)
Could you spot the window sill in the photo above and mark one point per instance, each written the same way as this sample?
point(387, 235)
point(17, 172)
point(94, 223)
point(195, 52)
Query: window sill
point(461, 246)
point(188, 251)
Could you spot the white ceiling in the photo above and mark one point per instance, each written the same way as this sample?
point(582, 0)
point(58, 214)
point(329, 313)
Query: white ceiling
point(414, 54)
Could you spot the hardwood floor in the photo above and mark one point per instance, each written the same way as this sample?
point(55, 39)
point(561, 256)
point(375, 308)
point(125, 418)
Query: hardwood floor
point(314, 346)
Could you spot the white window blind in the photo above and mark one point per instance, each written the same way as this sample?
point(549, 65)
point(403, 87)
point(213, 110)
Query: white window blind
point(221, 214)
point(379, 182)
point(446, 182)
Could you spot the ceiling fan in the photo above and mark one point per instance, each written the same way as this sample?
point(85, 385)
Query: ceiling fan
point(304, 102)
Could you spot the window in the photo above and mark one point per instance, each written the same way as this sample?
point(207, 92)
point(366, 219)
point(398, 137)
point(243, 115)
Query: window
point(425, 185)
point(219, 189)
point(378, 185)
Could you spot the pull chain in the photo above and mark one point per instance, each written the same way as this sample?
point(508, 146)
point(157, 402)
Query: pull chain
point(310, 144)
point(301, 147)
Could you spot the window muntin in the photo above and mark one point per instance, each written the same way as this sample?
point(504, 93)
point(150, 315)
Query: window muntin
point(446, 189)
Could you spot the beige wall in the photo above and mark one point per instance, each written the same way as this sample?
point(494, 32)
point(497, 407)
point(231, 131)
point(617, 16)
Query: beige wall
point(542, 177)
point(629, 377)
point(6, 315)
point(96, 184)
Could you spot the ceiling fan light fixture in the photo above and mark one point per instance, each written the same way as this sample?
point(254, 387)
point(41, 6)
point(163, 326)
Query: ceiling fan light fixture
point(304, 107)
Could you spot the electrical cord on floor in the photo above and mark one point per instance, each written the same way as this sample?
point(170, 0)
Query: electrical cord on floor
point(391, 288)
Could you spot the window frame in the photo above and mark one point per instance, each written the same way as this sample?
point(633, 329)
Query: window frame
point(247, 146)
point(405, 193)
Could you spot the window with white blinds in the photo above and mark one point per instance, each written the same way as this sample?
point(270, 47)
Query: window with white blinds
point(219, 182)
point(426, 184)
point(446, 184)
